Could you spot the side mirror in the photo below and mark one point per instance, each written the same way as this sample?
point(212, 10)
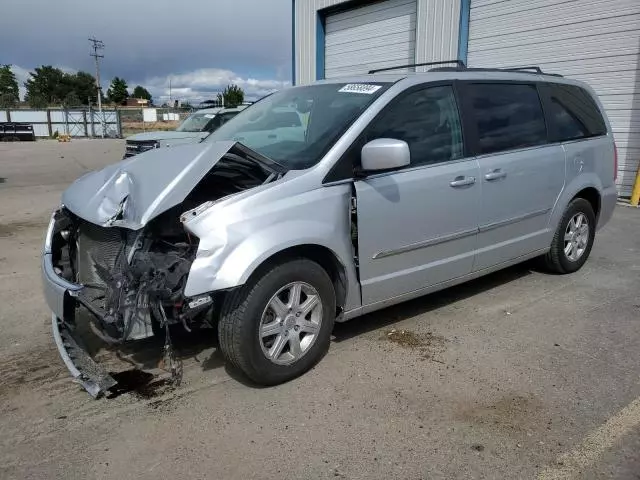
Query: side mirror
point(385, 154)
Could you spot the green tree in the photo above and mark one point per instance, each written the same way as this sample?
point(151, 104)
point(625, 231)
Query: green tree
point(141, 92)
point(117, 92)
point(72, 100)
point(37, 101)
point(83, 85)
point(233, 96)
point(9, 93)
point(47, 84)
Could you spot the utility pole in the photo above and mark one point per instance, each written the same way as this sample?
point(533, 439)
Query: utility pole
point(98, 45)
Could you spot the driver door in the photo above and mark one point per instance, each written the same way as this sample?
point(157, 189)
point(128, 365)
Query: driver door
point(417, 227)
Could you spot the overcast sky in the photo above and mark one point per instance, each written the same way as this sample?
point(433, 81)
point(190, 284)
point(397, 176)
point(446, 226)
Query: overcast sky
point(202, 45)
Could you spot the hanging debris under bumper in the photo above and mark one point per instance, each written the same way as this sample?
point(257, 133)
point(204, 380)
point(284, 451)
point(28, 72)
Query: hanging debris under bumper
point(93, 378)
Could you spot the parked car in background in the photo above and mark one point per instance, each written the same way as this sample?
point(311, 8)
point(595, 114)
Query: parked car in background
point(193, 129)
point(16, 132)
point(272, 229)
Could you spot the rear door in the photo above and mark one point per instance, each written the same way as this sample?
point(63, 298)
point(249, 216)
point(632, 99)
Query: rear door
point(417, 226)
point(521, 174)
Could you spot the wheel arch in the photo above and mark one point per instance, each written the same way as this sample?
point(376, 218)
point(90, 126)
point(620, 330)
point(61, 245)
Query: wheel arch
point(587, 186)
point(320, 254)
point(591, 195)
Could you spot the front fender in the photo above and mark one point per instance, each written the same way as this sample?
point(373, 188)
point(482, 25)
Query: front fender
point(217, 271)
point(207, 274)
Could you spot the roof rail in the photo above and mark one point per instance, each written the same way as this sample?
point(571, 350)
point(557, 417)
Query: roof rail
point(525, 70)
point(518, 69)
point(459, 63)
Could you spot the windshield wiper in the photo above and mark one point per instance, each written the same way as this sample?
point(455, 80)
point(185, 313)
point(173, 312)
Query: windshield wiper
point(271, 165)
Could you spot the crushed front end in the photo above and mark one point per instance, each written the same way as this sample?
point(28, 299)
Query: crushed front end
point(131, 282)
point(121, 252)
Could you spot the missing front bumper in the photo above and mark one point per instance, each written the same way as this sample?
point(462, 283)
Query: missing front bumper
point(93, 378)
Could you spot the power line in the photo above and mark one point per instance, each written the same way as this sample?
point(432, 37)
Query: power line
point(98, 45)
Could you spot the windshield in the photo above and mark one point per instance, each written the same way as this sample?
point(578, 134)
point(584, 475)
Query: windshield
point(295, 127)
point(196, 122)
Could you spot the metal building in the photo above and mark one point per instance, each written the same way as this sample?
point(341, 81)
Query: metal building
point(597, 41)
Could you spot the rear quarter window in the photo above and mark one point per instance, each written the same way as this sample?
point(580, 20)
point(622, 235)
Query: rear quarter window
point(506, 116)
point(572, 113)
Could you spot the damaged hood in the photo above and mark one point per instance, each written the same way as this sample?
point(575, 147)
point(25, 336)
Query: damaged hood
point(132, 192)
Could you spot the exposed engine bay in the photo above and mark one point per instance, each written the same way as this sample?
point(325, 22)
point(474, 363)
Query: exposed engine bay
point(133, 280)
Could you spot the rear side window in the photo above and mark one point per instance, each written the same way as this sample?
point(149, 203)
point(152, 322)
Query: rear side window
point(573, 113)
point(506, 116)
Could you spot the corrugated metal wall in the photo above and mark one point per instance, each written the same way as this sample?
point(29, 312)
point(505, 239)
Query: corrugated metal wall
point(305, 37)
point(596, 41)
point(436, 32)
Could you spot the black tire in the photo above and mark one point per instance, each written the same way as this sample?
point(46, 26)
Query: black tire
point(556, 260)
point(242, 312)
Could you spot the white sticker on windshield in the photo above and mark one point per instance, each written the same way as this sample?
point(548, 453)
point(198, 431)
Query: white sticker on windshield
point(210, 115)
point(360, 88)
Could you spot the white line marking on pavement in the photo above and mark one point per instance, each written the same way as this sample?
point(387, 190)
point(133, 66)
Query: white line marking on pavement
point(573, 463)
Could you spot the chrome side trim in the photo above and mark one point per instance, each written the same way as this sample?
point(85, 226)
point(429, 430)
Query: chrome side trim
point(426, 243)
point(359, 311)
point(508, 221)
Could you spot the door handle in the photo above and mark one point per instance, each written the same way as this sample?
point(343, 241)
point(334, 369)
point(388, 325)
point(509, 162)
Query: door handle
point(462, 181)
point(497, 174)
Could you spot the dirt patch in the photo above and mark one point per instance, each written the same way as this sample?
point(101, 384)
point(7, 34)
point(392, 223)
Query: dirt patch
point(12, 228)
point(427, 345)
point(34, 369)
point(511, 413)
point(131, 128)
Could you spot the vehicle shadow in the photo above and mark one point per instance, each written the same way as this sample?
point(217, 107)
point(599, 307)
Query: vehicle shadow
point(388, 316)
point(200, 349)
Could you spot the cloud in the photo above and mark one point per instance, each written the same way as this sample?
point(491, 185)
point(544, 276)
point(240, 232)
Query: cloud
point(148, 40)
point(22, 75)
point(205, 83)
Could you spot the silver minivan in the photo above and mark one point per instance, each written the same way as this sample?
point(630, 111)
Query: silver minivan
point(378, 189)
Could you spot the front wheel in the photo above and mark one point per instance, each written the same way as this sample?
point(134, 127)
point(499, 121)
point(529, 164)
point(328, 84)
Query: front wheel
point(278, 326)
point(574, 238)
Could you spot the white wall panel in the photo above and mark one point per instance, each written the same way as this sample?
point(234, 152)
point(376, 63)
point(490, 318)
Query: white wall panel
point(437, 30)
point(436, 34)
point(596, 41)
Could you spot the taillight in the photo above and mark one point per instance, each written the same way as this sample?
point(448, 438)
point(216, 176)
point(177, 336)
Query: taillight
point(615, 161)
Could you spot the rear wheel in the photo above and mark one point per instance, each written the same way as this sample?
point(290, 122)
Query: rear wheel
point(278, 326)
point(574, 238)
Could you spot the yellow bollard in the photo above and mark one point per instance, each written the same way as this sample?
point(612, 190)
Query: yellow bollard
point(635, 193)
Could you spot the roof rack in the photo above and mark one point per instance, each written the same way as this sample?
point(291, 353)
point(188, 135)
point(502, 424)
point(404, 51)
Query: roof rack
point(460, 64)
point(518, 69)
point(525, 70)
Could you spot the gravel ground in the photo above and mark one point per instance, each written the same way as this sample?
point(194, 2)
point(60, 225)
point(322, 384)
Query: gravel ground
point(498, 378)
